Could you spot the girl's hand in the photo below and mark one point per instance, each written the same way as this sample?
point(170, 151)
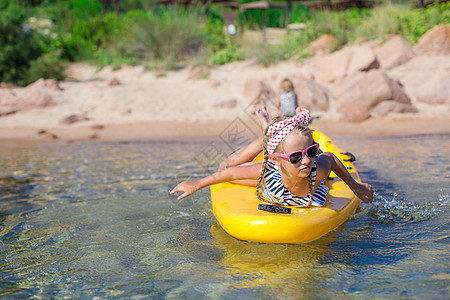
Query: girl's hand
point(187, 187)
point(364, 192)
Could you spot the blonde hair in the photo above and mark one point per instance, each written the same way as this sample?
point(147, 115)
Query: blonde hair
point(303, 130)
point(287, 85)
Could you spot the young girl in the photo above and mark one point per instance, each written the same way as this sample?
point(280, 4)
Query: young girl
point(292, 172)
point(287, 99)
point(249, 152)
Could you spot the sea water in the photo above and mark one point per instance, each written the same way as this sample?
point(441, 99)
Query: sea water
point(94, 220)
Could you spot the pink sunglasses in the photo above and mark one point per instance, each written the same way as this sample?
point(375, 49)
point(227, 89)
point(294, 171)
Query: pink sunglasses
point(297, 156)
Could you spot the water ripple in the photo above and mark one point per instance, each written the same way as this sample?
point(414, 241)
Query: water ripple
point(95, 220)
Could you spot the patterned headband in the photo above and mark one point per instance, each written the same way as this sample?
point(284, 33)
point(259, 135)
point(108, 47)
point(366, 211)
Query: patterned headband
point(281, 129)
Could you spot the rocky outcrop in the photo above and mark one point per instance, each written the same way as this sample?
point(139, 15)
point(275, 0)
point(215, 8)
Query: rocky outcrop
point(51, 84)
point(344, 62)
point(387, 107)
point(425, 78)
point(359, 96)
point(323, 45)
point(311, 94)
point(256, 91)
point(394, 52)
point(33, 97)
point(381, 77)
point(436, 41)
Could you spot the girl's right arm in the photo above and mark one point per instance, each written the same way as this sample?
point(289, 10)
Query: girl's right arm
point(248, 171)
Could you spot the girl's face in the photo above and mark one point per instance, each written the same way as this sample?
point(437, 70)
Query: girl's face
point(294, 142)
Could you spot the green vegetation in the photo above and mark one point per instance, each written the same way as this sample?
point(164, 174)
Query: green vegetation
point(38, 41)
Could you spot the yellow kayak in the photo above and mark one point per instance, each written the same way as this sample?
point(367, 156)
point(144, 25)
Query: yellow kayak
point(236, 208)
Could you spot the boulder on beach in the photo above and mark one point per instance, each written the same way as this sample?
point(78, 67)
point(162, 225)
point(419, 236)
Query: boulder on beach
point(356, 96)
point(311, 94)
point(323, 45)
point(425, 78)
point(394, 52)
point(257, 91)
point(73, 119)
point(436, 41)
point(51, 84)
point(344, 62)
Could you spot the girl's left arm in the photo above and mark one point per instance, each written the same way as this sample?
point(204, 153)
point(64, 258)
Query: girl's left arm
point(329, 162)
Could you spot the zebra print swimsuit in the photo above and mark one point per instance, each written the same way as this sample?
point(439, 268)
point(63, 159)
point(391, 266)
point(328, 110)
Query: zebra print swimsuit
point(274, 190)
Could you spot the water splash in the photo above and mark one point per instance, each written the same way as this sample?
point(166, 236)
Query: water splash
point(399, 210)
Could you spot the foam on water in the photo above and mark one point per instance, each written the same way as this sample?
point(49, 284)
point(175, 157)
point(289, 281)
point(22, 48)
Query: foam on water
point(399, 209)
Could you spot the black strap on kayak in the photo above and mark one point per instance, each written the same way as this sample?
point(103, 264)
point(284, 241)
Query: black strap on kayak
point(351, 158)
point(274, 208)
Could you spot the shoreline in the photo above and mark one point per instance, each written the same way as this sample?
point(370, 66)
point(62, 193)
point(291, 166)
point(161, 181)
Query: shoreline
point(214, 131)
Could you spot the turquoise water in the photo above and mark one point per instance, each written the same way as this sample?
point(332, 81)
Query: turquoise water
point(92, 220)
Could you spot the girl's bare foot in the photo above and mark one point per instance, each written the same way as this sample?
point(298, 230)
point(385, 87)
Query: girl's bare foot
point(263, 115)
point(300, 110)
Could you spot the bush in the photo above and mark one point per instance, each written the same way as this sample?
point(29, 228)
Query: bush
point(88, 36)
point(228, 54)
point(48, 65)
point(214, 37)
point(21, 50)
point(411, 23)
point(167, 34)
point(416, 22)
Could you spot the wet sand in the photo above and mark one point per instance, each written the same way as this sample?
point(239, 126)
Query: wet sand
point(211, 131)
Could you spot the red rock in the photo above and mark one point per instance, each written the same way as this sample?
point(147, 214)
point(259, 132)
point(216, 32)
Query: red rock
point(394, 52)
point(398, 94)
point(51, 84)
point(387, 107)
point(114, 82)
point(7, 112)
point(35, 99)
point(8, 102)
point(437, 90)
point(226, 104)
point(256, 91)
point(73, 119)
point(98, 127)
point(425, 78)
point(341, 63)
point(322, 45)
point(436, 41)
point(50, 136)
point(356, 96)
point(310, 94)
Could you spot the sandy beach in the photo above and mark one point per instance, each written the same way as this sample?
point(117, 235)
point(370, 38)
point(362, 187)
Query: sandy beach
point(189, 104)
